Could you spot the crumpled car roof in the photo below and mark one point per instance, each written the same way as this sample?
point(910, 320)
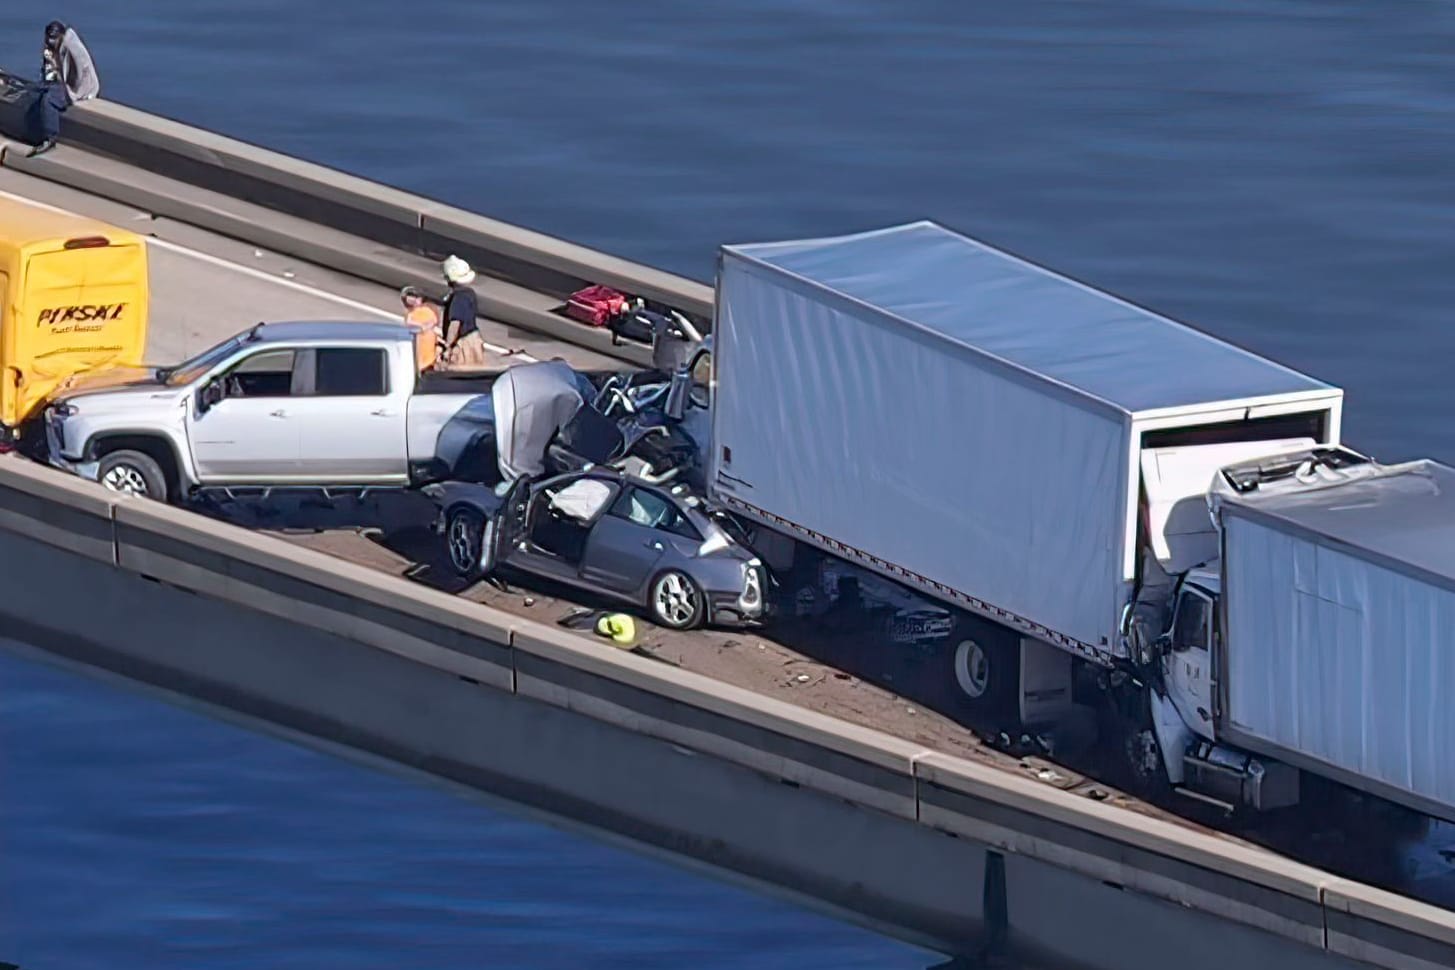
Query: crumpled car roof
point(531, 402)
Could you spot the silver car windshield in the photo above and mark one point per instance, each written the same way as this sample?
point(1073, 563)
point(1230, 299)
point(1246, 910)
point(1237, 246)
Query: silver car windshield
point(190, 370)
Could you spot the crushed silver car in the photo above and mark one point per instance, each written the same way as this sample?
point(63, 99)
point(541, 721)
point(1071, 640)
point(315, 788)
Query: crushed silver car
point(609, 533)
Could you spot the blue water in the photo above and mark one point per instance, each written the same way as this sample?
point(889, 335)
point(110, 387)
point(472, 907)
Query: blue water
point(1275, 171)
point(138, 834)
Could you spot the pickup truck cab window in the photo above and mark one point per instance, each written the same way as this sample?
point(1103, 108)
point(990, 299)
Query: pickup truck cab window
point(351, 372)
point(196, 367)
point(268, 373)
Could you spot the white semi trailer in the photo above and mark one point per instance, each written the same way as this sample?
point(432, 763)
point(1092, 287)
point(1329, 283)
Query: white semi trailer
point(1037, 454)
point(1323, 638)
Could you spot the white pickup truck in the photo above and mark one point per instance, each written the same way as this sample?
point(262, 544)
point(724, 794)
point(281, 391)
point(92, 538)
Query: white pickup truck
point(282, 405)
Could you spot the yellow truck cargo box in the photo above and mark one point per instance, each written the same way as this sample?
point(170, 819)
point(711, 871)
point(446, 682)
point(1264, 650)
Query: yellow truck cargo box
point(75, 299)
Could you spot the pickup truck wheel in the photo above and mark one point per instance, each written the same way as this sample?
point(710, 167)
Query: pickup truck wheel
point(676, 601)
point(464, 538)
point(133, 473)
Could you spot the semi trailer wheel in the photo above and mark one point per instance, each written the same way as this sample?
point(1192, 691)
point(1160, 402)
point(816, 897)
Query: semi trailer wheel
point(984, 673)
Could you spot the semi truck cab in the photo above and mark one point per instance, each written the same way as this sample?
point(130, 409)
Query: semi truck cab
point(1186, 661)
point(1186, 698)
point(1183, 745)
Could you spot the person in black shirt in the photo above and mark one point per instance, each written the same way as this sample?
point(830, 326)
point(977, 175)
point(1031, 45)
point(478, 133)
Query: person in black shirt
point(464, 347)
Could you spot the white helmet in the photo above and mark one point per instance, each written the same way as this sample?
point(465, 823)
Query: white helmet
point(458, 271)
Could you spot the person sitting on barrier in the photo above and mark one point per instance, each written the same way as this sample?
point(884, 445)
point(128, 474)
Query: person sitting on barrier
point(43, 117)
point(464, 346)
point(67, 75)
point(420, 317)
point(66, 59)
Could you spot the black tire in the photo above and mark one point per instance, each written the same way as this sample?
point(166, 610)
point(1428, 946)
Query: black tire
point(1136, 763)
point(684, 608)
point(464, 537)
point(133, 473)
point(984, 673)
point(1144, 764)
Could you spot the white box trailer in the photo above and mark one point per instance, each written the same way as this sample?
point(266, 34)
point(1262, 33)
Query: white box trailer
point(971, 424)
point(1339, 615)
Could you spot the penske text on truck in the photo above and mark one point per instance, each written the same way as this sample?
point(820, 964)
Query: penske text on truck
point(75, 300)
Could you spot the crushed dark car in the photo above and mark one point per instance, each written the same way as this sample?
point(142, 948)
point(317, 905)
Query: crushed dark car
point(583, 492)
point(547, 416)
point(604, 531)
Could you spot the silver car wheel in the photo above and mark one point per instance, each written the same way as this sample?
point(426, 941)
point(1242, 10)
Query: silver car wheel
point(464, 554)
point(675, 600)
point(972, 669)
point(125, 479)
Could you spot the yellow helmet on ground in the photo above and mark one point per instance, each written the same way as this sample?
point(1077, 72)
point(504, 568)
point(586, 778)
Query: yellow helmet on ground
point(619, 628)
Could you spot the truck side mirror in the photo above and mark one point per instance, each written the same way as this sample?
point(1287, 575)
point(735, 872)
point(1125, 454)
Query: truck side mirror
point(700, 393)
point(211, 394)
point(677, 394)
point(1138, 638)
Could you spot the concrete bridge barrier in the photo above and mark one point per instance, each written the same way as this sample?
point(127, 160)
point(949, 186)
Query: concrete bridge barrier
point(934, 849)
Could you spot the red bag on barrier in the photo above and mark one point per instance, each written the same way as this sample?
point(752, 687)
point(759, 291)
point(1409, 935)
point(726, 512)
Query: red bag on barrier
point(595, 305)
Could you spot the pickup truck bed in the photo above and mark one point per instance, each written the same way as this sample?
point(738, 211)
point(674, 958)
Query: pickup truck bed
point(479, 382)
point(446, 382)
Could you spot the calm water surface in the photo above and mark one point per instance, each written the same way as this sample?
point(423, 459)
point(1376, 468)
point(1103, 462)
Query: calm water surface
point(1275, 171)
point(138, 834)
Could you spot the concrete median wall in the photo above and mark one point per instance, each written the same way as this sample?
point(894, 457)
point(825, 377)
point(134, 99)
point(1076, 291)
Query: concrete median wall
point(341, 221)
point(924, 846)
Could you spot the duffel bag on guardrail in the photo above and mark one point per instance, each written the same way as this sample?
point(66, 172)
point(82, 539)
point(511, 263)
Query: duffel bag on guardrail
point(20, 109)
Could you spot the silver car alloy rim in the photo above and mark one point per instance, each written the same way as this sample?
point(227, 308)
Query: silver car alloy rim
point(676, 600)
point(972, 669)
point(462, 544)
point(125, 479)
